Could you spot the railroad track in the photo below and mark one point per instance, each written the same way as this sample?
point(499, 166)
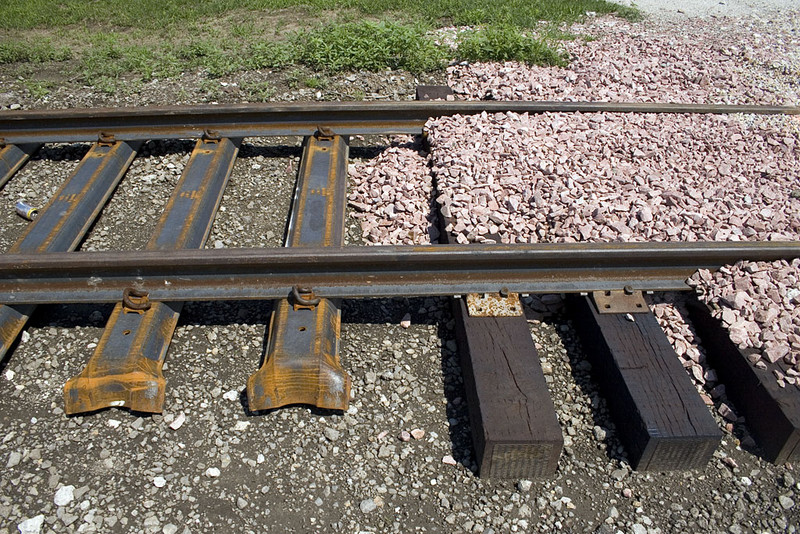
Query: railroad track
point(514, 426)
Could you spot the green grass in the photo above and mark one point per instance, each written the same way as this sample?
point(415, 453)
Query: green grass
point(504, 43)
point(29, 51)
point(368, 45)
point(103, 42)
point(156, 14)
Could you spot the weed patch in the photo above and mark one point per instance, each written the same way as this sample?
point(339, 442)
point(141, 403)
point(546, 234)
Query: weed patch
point(370, 46)
point(506, 43)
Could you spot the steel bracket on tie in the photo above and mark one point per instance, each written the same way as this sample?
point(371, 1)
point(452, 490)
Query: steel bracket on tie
point(106, 139)
point(627, 300)
point(324, 132)
point(303, 298)
point(135, 301)
point(211, 136)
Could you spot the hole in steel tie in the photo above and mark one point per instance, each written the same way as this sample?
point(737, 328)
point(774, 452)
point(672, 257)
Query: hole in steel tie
point(126, 333)
point(302, 328)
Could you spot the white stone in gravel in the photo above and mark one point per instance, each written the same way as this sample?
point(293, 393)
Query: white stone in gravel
point(14, 459)
point(159, 482)
point(64, 495)
point(524, 485)
point(212, 472)
point(170, 528)
point(32, 525)
point(449, 460)
point(9, 375)
point(406, 321)
point(619, 474)
point(331, 434)
point(241, 426)
point(241, 503)
point(638, 528)
point(786, 502)
point(231, 395)
point(113, 423)
point(417, 433)
point(404, 436)
point(178, 422)
point(367, 505)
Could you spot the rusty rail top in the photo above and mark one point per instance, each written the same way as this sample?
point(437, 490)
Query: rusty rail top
point(354, 272)
point(259, 120)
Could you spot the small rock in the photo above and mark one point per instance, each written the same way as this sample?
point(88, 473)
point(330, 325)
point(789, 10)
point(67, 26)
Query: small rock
point(178, 422)
point(730, 462)
point(170, 528)
point(524, 485)
point(241, 426)
point(32, 525)
point(331, 434)
point(600, 433)
point(404, 436)
point(417, 433)
point(619, 474)
point(14, 459)
point(241, 503)
point(64, 495)
point(785, 502)
point(212, 472)
point(367, 505)
point(449, 460)
point(159, 482)
point(231, 395)
point(406, 321)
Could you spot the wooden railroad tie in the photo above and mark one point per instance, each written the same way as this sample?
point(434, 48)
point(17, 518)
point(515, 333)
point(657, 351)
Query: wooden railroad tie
point(515, 429)
point(661, 419)
point(771, 413)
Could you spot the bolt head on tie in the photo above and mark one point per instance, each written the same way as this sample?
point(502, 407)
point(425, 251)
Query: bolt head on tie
point(135, 300)
point(323, 132)
point(211, 136)
point(303, 297)
point(106, 139)
point(628, 289)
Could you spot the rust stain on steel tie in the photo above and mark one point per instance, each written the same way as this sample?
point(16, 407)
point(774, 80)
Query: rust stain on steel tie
point(13, 157)
point(126, 367)
point(301, 363)
point(63, 222)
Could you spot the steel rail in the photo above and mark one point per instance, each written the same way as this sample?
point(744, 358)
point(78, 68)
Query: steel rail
point(352, 272)
point(256, 120)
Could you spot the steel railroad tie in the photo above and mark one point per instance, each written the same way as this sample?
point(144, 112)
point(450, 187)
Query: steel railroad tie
point(125, 369)
point(13, 157)
point(301, 364)
point(64, 221)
